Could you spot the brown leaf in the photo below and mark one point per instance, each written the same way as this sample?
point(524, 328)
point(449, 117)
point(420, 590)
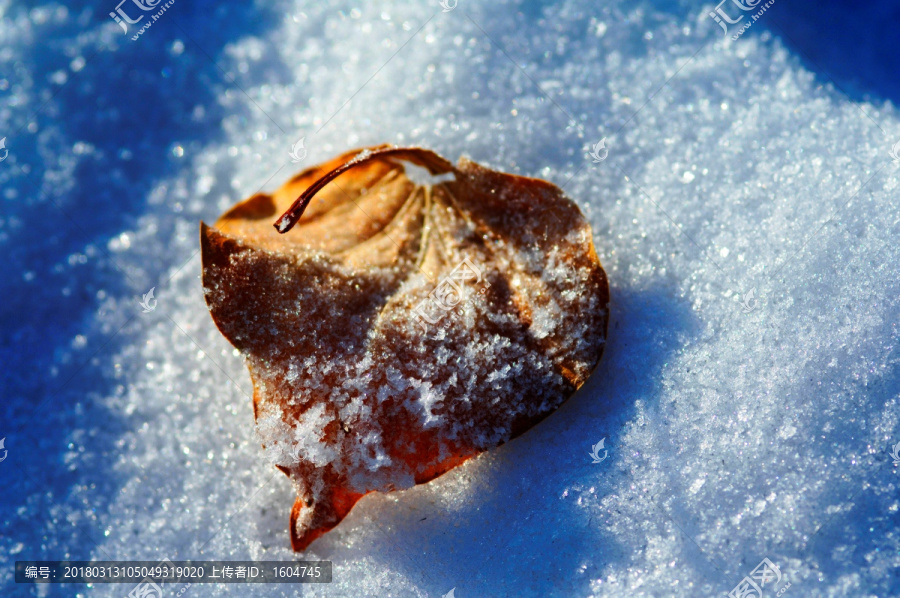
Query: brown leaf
point(406, 324)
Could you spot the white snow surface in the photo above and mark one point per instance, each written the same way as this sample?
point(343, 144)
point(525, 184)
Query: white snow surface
point(746, 216)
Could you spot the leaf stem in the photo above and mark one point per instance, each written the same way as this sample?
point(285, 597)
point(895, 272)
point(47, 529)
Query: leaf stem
point(287, 220)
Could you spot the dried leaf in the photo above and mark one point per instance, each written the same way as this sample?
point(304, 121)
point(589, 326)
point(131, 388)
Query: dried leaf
point(418, 315)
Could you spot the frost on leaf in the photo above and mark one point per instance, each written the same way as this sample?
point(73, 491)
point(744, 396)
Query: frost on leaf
point(403, 315)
